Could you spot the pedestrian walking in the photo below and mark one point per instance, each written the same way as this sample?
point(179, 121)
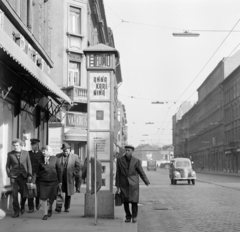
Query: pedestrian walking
point(70, 168)
point(49, 177)
point(129, 169)
point(19, 170)
point(35, 156)
point(78, 177)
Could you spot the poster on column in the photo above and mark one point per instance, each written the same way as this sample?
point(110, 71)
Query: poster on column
point(99, 116)
point(102, 139)
point(99, 85)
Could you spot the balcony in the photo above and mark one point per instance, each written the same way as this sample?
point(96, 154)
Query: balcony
point(76, 93)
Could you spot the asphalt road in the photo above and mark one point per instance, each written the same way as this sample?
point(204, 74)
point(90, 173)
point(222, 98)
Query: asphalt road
point(212, 205)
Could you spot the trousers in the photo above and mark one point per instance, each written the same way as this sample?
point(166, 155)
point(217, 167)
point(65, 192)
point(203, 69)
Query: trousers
point(31, 202)
point(134, 213)
point(18, 185)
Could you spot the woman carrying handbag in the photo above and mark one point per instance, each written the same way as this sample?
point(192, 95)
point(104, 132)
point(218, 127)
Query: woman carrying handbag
point(49, 178)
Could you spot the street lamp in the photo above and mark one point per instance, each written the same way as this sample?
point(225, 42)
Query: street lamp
point(186, 34)
point(157, 102)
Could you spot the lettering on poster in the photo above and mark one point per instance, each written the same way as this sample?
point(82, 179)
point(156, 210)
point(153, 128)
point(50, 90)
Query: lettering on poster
point(99, 85)
point(100, 144)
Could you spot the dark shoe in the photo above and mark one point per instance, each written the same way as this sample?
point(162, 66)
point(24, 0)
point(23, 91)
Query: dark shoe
point(30, 210)
point(15, 215)
point(49, 213)
point(38, 206)
point(134, 220)
point(128, 220)
point(77, 191)
point(45, 217)
point(66, 210)
point(22, 211)
point(58, 210)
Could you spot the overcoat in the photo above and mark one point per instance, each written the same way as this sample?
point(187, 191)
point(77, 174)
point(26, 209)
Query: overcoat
point(35, 157)
point(12, 167)
point(128, 179)
point(73, 168)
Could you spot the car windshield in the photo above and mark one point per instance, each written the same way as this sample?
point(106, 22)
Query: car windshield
point(182, 163)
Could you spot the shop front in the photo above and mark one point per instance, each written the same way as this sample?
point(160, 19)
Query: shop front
point(29, 99)
point(72, 130)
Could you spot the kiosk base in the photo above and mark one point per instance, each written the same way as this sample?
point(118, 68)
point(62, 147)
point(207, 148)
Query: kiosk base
point(105, 205)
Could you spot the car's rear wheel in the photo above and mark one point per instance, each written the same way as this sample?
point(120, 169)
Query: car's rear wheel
point(189, 182)
point(175, 182)
point(193, 182)
point(172, 181)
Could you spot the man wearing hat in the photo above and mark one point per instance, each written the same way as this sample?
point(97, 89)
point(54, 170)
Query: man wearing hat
point(70, 168)
point(129, 169)
point(35, 155)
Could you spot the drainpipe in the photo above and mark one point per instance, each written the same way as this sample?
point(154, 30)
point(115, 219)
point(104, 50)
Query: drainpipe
point(29, 14)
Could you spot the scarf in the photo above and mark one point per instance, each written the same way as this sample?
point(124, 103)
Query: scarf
point(46, 159)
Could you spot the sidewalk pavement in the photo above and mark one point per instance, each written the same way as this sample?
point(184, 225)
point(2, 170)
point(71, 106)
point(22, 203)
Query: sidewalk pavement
point(66, 222)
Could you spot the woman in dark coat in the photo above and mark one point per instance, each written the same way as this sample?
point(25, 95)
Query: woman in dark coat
point(129, 169)
point(49, 178)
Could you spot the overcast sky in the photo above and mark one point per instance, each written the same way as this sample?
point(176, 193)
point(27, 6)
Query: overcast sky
point(159, 67)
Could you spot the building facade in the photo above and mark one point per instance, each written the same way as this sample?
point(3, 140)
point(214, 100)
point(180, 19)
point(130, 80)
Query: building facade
point(231, 107)
point(29, 98)
point(122, 130)
point(207, 133)
point(76, 25)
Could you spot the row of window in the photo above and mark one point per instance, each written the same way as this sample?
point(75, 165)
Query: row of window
point(232, 91)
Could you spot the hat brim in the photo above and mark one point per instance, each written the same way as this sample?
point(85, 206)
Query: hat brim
point(131, 147)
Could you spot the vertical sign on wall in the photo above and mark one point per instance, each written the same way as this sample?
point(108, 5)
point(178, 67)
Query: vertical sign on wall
point(101, 68)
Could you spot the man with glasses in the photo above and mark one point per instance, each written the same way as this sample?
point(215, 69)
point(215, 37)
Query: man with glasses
point(19, 170)
point(35, 155)
point(129, 169)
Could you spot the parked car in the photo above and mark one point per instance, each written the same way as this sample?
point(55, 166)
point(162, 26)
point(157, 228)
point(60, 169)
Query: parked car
point(181, 170)
point(152, 165)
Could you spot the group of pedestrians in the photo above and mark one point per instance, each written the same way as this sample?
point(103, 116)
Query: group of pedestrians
point(47, 171)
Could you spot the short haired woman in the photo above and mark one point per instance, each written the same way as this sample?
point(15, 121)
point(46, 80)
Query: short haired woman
point(49, 177)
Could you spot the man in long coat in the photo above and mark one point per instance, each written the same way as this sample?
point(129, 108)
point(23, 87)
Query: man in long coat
point(70, 168)
point(35, 156)
point(129, 169)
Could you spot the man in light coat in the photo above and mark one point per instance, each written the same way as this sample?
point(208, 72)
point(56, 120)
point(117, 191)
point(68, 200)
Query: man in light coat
point(19, 170)
point(70, 168)
point(129, 169)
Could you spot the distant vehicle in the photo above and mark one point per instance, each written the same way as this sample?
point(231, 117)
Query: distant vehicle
point(152, 165)
point(181, 169)
point(165, 164)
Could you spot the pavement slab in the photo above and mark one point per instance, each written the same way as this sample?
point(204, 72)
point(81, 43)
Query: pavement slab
point(66, 222)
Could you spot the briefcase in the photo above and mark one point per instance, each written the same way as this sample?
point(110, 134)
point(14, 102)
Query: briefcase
point(118, 199)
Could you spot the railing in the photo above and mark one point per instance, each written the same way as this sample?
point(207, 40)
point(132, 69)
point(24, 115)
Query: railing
point(76, 93)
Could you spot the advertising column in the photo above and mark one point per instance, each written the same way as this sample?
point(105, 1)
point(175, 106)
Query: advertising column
point(101, 68)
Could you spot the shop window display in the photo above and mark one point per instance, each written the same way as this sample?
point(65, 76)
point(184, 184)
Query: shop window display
point(28, 126)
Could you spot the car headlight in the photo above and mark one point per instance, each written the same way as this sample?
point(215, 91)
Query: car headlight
point(192, 174)
point(176, 174)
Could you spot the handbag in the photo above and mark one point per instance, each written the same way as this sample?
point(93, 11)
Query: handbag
point(118, 199)
point(31, 191)
point(59, 199)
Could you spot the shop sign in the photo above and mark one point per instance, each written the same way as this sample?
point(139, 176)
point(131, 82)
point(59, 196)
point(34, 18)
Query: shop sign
point(76, 120)
point(99, 84)
point(55, 139)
